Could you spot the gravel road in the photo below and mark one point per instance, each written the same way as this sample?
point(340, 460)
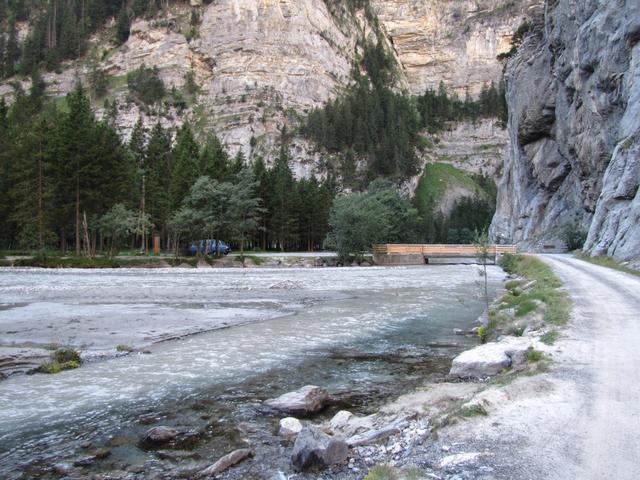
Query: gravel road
point(581, 420)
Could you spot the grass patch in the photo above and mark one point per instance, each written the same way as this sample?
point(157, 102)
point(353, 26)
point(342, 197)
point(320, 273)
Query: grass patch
point(550, 337)
point(472, 411)
point(62, 358)
point(546, 289)
point(435, 181)
point(124, 348)
point(525, 307)
point(54, 367)
point(534, 355)
point(605, 261)
point(254, 258)
point(512, 284)
point(382, 472)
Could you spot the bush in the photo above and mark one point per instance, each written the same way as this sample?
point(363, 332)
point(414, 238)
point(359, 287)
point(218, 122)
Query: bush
point(574, 236)
point(146, 85)
point(66, 354)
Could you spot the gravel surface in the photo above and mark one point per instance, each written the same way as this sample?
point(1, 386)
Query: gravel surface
point(581, 420)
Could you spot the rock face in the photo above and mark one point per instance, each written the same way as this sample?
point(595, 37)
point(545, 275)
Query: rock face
point(475, 147)
point(453, 41)
point(315, 450)
point(261, 64)
point(574, 99)
point(306, 400)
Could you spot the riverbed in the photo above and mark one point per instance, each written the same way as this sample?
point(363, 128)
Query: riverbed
point(210, 346)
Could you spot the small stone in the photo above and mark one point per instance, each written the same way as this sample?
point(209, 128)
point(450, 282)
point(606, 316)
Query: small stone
point(226, 462)
point(458, 331)
point(290, 427)
point(306, 400)
point(315, 449)
point(160, 435)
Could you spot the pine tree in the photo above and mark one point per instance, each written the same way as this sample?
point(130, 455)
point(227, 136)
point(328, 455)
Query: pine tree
point(76, 170)
point(159, 160)
point(214, 161)
point(281, 182)
point(186, 167)
point(123, 26)
point(12, 48)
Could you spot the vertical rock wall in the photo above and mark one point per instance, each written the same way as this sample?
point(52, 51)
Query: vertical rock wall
point(574, 98)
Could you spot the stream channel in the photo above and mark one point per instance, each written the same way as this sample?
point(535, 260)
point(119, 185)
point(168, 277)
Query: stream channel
point(211, 345)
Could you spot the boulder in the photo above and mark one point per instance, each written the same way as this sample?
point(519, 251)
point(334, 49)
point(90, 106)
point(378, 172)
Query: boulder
point(159, 435)
point(340, 420)
point(225, 462)
point(491, 358)
point(315, 450)
point(289, 428)
point(481, 361)
point(306, 400)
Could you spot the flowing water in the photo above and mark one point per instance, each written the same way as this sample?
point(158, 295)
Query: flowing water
point(366, 334)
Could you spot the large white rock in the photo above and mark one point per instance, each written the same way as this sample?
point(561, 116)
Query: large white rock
point(306, 400)
point(481, 361)
point(491, 358)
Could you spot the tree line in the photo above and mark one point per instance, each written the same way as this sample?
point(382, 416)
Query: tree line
point(70, 181)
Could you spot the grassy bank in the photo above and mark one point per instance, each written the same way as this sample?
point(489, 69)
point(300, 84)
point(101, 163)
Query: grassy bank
point(605, 261)
point(55, 261)
point(536, 295)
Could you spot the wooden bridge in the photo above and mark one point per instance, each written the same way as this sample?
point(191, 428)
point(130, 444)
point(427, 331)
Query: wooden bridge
point(417, 254)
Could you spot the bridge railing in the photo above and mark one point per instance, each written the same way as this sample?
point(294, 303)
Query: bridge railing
point(438, 249)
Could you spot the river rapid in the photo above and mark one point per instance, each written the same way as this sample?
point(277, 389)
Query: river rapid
point(216, 343)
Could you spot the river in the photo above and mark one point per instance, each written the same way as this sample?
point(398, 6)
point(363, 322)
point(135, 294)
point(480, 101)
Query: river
point(366, 334)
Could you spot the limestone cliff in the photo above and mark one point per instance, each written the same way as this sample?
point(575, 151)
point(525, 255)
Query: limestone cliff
point(574, 98)
point(453, 41)
point(263, 64)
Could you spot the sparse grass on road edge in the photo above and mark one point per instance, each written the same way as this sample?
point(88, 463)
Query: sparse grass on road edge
point(605, 261)
point(547, 289)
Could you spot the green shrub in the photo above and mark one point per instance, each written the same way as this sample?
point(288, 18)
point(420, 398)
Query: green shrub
point(146, 85)
point(124, 348)
point(574, 236)
point(483, 334)
point(66, 354)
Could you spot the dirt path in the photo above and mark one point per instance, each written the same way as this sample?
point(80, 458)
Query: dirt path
point(582, 419)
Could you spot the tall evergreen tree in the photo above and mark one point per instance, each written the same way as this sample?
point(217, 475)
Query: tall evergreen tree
point(186, 168)
point(159, 161)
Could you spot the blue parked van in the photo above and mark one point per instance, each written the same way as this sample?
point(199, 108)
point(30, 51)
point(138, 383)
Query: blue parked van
point(211, 247)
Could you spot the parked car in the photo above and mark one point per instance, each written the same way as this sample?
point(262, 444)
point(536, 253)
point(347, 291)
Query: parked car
point(211, 247)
